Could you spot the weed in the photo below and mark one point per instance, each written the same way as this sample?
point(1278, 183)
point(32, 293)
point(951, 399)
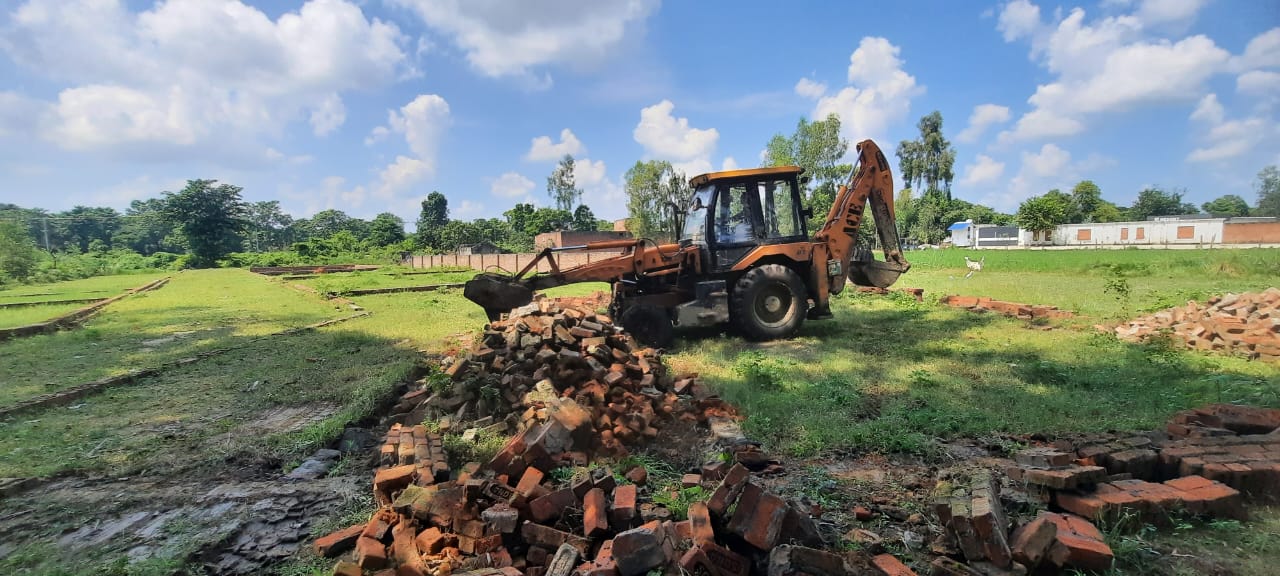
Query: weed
point(677, 499)
point(482, 449)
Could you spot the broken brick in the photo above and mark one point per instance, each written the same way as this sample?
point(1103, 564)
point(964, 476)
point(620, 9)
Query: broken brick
point(637, 551)
point(595, 520)
point(370, 554)
point(888, 565)
point(1031, 541)
point(758, 517)
point(338, 542)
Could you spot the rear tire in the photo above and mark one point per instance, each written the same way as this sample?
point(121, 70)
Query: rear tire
point(649, 325)
point(768, 303)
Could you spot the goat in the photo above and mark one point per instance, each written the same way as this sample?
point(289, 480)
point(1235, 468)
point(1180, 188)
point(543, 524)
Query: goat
point(974, 265)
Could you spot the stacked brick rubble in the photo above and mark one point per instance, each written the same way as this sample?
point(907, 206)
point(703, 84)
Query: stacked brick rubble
point(1014, 309)
point(1247, 324)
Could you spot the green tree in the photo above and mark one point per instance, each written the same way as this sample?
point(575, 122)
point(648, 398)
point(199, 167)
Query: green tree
point(1157, 202)
point(1044, 213)
point(928, 162)
point(1268, 188)
point(456, 233)
point(1086, 198)
point(548, 220)
point(1108, 212)
point(584, 220)
point(17, 252)
point(385, 230)
point(210, 217)
point(561, 186)
point(818, 148)
point(326, 223)
point(432, 220)
point(658, 199)
point(83, 224)
point(146, 231)
point(1227, 206)
point(267, 226)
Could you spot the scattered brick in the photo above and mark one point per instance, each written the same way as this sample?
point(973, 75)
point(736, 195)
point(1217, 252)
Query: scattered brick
point(370, 554)
point(637, 551)
point(888, 565)
point(338, 542)
point(787, 560)
point(1079, 544)
point(759, 517)
point(1031, 542)
point(1243, 324)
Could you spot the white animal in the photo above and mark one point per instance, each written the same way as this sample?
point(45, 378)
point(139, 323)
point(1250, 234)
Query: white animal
point(974, 265)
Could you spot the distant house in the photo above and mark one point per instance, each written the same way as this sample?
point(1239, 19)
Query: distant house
point(962, 234)
point(482, 247)
point(620, 225)
point(969, 235)
point(563, 238)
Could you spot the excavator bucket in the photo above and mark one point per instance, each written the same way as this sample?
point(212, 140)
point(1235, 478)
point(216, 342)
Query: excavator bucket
point(874, 273)
point(496, 293)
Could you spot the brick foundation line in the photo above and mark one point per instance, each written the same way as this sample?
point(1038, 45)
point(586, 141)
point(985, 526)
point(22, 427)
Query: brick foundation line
point(75, 318)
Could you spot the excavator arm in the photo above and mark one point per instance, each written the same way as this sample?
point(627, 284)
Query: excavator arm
point(834, 262)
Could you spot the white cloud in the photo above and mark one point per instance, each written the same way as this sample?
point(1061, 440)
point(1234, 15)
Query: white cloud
point(729, 164)
point(879, 92)
point(196, 74)
point(511, 185)
point(1039, 171)
point(422, 122)
point(1049, 161)
point(1225, 139)
point(542, 149)
point(515, 39)
point(607, 198)
point(810, 89)
point(1259, 82)
point(669, 138)
point(983, 170)
point(1263, 51)
point(983, 116)
point(1107, 65)
point(328, 115)
point(400, 175)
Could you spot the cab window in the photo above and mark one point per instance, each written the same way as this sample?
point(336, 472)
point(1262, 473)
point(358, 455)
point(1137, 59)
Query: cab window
point(781, 215)
point(733, 215)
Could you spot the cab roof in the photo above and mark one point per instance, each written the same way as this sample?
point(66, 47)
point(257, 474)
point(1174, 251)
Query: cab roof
point(702, 179)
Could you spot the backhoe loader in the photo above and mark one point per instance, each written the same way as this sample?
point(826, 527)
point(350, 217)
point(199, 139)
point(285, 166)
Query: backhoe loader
point(744, 257)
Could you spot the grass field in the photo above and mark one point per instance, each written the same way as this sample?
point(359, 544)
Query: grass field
point(96, 287)
point(886, 375)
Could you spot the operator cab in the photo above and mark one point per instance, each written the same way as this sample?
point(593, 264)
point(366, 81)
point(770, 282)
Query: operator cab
point(736, 211)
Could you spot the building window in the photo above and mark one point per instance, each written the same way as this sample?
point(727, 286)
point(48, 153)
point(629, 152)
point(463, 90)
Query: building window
point(1124, 233)
point(1084, 234)
point(1142, 233)
point(1186, 232)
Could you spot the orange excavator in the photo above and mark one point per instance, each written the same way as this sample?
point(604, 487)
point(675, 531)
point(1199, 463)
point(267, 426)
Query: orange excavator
point(744, 257)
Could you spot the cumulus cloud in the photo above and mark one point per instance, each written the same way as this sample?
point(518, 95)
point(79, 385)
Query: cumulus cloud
point(810, 89)
point(669, 138)
point(1107, 65)
point(511, 185)
point(1259, 83)
point(878, 93)
point(543, 149)
point(149, 81)
point(1223, 138)
point(983, 117)
point(729, 163)
point(606, 197)
point(983, 170)
point(422, 123)
point(517, 39)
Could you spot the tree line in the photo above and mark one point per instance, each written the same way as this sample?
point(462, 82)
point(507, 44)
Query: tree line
point(208, 223)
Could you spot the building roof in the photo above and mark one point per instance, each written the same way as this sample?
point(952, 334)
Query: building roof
point(959, 226)
point(701, 179)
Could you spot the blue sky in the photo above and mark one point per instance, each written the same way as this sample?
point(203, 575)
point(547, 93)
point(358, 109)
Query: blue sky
point(367, 106)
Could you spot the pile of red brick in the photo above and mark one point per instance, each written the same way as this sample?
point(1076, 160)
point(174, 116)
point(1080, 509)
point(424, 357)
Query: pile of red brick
point(1247, 324)
point(1013, 309)
point(554, 359)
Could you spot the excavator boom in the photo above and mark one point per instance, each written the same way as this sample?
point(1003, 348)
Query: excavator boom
point(870, 183)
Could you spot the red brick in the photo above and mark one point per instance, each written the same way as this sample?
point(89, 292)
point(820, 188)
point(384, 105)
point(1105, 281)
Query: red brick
point(758, 517)
point(890, 566)
point(595, 520)
point(1067, 478)
point(370, 553)
point(551, 506)
point(430, 541)
point(623, 512)
point(701, 530)
point(637, 551)
point(638, 475)
point(548, 537)
point(1083, 543)
point(1087, 505)
point(388, 481)
point(402, 544)
point(531, 483)
point(338, 542)
point(862, 514)
point(1031, 541)
point(729, 490)
point(379, 526)
point(347, 569)
point(691, 480)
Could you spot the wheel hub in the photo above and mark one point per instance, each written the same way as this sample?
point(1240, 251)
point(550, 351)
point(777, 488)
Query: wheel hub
point(772, 304)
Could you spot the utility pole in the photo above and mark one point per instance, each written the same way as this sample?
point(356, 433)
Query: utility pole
point(45, 220)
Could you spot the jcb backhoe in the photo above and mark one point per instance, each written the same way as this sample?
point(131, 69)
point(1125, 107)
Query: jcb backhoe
point(744, 257)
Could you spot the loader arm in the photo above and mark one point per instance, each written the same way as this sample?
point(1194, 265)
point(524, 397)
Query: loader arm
point(499, 293)
point(870, 182)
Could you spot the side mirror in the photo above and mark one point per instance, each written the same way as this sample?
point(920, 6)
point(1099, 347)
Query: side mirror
point(804, 181)
point(807, 212)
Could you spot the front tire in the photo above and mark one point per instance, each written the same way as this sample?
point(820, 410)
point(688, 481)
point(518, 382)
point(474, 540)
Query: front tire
point(649, 325)
point(768, 303)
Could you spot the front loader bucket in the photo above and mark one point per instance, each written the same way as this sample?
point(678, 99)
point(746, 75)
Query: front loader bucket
point(875, 273)
point(497, 294)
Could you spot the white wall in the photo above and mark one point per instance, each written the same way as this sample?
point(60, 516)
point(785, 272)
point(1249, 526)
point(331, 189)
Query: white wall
point(1207, 231)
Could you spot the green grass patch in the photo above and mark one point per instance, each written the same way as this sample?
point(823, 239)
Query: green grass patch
point(196, 311)
point(97, 287)
point(892, 375)
point(24, 315)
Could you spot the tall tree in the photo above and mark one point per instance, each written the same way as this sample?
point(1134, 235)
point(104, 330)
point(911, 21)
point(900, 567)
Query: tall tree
point(818, 148)
point(1157, 202)
point(561, 186)
point(1044, 213)
point(1268, 188)
point(83, 224)
point(432, 220)
point(927, 163)
point(326, 223)
point(146, 231)
point(385, 230)
point(1086, 197)
point(658, 199)
point(1226, 206)
point(17, 252)
point(210, 218)
point(267, 226)
point(584, 220)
